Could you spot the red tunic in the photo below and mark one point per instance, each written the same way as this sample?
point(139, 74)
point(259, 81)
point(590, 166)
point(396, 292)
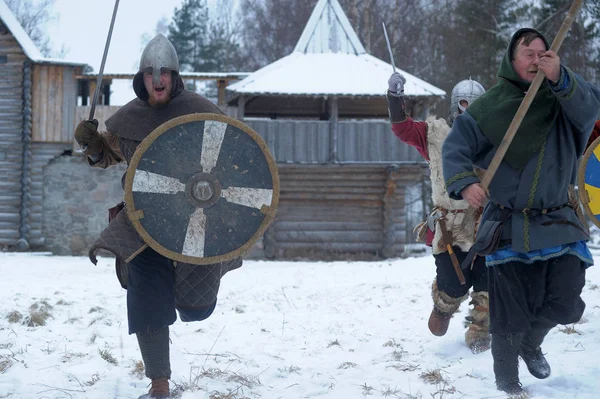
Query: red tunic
point(595, 134)
point(415, 134)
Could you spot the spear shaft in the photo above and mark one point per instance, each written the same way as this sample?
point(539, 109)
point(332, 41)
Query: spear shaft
point(101, 72)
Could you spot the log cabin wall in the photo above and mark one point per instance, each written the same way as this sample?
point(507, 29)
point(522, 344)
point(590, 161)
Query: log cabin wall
point(37, 117)
point(12, 61)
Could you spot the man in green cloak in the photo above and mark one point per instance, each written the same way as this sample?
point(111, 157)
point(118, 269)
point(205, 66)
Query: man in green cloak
point(533, 241)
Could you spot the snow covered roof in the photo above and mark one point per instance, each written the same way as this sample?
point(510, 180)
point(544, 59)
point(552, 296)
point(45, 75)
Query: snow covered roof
point(329, 74)
point(23, 39)
point(329, 59)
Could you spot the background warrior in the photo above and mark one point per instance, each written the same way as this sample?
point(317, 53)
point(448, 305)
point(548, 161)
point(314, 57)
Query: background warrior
point(450, 222)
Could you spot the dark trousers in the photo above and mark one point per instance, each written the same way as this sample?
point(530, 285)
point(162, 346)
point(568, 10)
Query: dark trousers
point(535, 297)
point(447, 280)
point(151, 294)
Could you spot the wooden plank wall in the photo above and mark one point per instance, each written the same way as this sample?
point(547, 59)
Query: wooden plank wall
point(11, 128)
point(339, 210)
point(54, 103)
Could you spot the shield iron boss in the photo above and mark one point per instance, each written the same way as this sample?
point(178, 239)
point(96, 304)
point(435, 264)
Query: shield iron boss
point(588, 182)
point(202, 188)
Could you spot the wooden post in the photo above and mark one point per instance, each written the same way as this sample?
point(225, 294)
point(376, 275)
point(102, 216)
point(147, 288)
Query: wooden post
point(221, 84)
point(425, 109)
point(270, 242)
point(106, 92)
point(389, 201)
point(240, 107)
point(85, 91)
point(92, 88)
point(333, 129)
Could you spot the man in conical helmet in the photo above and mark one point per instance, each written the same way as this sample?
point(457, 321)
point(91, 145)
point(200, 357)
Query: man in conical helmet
point(157, 287)
point(449, 215)
point(463, 94)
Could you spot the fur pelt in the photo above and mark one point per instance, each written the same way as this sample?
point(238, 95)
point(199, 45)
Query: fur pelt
point(461, 225)
point(444, 302)
point(477, 336)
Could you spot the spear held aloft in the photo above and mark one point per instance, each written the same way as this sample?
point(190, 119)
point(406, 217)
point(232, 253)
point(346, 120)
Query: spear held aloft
point(533, 89)
point(389, 46)
point(101, 72)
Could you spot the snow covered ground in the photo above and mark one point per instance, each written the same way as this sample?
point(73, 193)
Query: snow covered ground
point(280, 330)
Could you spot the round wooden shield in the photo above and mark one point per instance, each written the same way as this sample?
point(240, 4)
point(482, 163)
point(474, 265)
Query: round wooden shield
point(589, 182)
point(202, 188)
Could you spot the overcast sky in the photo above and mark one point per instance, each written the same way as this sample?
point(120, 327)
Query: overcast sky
point(82, 26)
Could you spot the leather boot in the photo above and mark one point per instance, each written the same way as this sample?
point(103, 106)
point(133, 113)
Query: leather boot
point(505, 351)
point(478, 337)
point(438, 322)
point(444, 306)
point(154, 346)
point(158, 390)
point(531, 353)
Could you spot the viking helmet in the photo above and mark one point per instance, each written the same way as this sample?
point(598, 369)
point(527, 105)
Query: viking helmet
point(158, 54)
point(467, 90)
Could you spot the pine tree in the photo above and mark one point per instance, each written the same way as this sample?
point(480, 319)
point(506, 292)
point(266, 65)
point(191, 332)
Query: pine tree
point(33, 17)
point(223, 40)
point(579, 50)
point(188, 33)
point(271, 28)
point(477, 38)
point(205, 43)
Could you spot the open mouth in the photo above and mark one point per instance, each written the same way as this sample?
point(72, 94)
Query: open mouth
point(159, 89)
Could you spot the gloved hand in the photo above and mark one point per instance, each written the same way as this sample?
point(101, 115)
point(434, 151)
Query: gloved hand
point(87, 136)
point(396, 84)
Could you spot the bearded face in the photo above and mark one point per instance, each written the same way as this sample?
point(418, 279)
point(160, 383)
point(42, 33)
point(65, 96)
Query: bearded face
point(159, 94)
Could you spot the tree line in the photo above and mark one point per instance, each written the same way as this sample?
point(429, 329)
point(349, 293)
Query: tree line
point(440, 41)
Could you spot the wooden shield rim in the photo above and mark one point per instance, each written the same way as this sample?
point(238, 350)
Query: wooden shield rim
point(581, 191)
point(132, 213)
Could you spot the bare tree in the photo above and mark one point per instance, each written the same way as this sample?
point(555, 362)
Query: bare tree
point(33, 17)
point(581, 48)
point(224, 36)
point(162, 26)
point(271, 28)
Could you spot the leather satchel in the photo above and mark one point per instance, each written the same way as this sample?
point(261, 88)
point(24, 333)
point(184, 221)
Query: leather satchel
point(488, 237)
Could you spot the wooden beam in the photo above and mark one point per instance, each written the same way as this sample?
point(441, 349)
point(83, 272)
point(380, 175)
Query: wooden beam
point(36, 105)
point(44, 98)
point(186, 76)
point(92, 91)
point(240, 107)
point(57, 101)
point(333, 129)
point(221, 85)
